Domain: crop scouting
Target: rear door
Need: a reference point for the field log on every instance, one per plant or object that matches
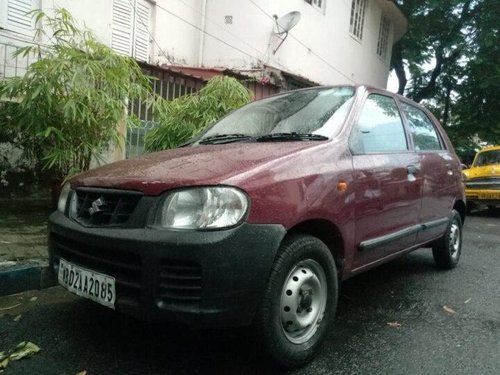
(387, 184)
(440, 170)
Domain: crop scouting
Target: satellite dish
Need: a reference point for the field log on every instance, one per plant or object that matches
(284, 24)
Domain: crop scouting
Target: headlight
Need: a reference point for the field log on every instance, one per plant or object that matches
(63, 197)
(203, 208)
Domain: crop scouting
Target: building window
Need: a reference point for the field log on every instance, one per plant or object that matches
(131, 28)
(357, 18)
(383, 36)
(320, 4)
(14, 16)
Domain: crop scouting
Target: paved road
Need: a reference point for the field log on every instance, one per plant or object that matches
(461, 338)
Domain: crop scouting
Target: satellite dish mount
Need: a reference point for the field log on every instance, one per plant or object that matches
(283, 25)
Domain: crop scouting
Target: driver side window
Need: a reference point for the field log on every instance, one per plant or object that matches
(379, 128)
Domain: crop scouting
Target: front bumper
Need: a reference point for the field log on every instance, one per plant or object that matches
(201, 278)
(488, 197)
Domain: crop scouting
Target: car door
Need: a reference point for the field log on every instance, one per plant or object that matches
(440, 171)
(387, 183)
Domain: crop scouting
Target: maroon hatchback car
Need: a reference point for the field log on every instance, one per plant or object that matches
(258, 219)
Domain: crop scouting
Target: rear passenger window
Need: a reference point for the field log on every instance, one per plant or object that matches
(423, 132)
(379, 128)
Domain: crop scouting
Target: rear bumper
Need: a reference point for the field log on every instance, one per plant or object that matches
(209, 278)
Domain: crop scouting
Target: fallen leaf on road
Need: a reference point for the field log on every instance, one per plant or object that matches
(449, 310)
(4, 360)
(468, 300)
(3, 364)
(24, 349)
(9, 308)
(394, 324)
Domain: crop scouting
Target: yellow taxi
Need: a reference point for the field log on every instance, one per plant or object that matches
(482, 179)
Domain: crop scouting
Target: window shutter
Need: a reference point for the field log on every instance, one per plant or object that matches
(15, 17)
(16, 13)
(142, 27)
(122, 27)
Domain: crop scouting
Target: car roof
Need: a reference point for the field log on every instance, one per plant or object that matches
(490, 148)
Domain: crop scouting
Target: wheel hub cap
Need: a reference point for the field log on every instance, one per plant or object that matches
(454, 240)
(303, 301)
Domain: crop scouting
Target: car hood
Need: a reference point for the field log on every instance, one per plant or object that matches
(486, 171)
(155, 173)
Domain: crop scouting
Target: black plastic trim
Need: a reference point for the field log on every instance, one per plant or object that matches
(384, 240)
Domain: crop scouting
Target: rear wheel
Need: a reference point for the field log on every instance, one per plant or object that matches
(447, 250)
(299, 302)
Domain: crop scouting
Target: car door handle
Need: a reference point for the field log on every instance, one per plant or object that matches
(412, 169)
(449, 169)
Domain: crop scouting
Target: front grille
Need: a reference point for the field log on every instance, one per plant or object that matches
(484, 183)
(180, 283)
(104, 208)
(124, 266)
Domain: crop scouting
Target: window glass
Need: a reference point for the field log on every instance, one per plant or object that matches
(423, 133)
(379, 128)
(304, 111)
(487, 158)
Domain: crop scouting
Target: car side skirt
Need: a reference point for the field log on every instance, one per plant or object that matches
(384, 240)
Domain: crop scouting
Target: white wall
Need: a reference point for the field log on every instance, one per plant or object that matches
(317, 37)
(319, 48)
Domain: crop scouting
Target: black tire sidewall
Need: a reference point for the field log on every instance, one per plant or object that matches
(441, 250)
(295, 249)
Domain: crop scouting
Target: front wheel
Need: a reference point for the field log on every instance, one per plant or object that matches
(299, 302)
(446, 251)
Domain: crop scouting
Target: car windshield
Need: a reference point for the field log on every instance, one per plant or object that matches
(487, 158)
(313, 114)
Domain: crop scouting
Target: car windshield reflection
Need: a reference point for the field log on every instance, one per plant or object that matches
(316, 114)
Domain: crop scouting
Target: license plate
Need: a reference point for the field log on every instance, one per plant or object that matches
(489, 196)
(87, 283)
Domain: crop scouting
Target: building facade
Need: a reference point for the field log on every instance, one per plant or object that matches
(269, 45)
(331, 41)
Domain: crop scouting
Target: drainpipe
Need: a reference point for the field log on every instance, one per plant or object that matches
(202, 32)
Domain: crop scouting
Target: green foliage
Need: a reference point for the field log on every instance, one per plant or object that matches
(451, 53)
(182, 118)
(70, 101)
(479, 102)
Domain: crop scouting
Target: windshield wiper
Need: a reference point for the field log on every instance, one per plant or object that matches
(224, 138)
(291, 137)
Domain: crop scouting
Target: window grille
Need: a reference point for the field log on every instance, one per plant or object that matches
(357, 18)
(317, 3)
(383, 36)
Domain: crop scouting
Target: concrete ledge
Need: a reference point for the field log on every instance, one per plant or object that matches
(20, 277)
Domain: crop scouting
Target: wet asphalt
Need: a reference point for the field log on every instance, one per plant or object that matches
(405, 317)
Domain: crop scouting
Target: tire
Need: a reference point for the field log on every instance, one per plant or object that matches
(299, 302)
(446, 251)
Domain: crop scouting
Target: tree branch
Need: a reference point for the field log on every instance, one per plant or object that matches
(397, 64)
